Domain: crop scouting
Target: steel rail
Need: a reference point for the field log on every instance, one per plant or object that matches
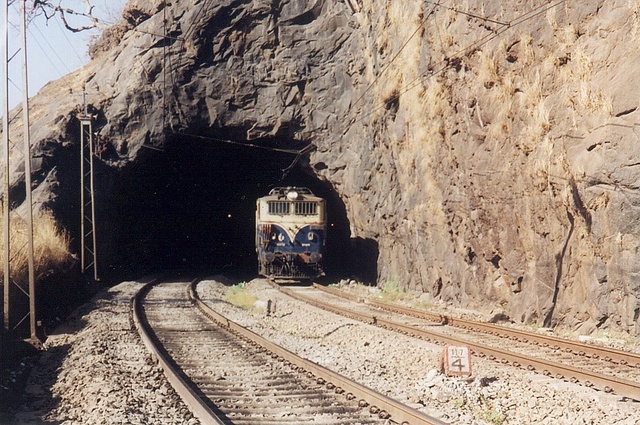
(609, 354)
(587, 378)
(342, 294)
(198, 407)
(378, 403)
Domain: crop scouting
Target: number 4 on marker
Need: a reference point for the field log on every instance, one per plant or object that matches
(456, 361)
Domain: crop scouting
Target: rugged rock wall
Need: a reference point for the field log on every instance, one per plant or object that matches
(505, 163)
(490, 150)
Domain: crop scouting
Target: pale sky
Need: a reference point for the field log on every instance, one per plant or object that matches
(53, 51)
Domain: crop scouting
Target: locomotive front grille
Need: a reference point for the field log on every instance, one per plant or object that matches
(299, 208)
(306, 208)
(279, 207)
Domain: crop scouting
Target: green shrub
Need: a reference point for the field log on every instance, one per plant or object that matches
(239, 296)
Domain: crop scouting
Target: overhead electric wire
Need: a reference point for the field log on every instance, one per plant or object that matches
(435, 6)
(448, 60)
(64, 33)
(462, 12)
(297, 152)
(394, 57)
(169, 37)
(51, 49)
(305, 149)
(169, 58)
(195, 19)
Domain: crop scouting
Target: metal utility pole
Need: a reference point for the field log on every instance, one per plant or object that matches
(27, 175)
(88, 256)
(5, 145)
(10, 304)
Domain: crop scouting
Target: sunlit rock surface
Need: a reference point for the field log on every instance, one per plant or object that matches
(492, 156)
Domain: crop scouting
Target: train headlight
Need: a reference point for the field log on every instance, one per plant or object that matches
(292, 195)
(315, 257)
(269, 257)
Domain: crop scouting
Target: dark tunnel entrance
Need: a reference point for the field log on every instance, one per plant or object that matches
(192, 206)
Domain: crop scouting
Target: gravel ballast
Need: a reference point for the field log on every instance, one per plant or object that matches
(97, 371)
(408, 369)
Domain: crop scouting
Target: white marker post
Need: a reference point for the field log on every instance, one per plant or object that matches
(457, 361)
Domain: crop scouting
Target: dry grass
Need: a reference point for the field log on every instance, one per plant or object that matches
(443, 30)
(522, 89)
(487, 68)
(527, 53)
(551, 16)
(50, 246)
(399, 62)
(576, 78)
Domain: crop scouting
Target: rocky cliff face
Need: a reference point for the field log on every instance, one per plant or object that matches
(508, 155)
(489, 150)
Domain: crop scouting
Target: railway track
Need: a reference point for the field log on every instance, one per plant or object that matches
(596, 367)
(229, 375)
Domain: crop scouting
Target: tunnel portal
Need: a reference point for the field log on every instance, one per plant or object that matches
(192, 206)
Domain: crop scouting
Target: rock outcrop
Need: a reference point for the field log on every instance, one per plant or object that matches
(489, 150)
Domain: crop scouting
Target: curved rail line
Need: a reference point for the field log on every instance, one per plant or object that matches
(398, 412)
(378, 404)
(587, 378)
(196, 404)
(609, 354)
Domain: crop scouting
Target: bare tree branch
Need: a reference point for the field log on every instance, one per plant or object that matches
(50, 9)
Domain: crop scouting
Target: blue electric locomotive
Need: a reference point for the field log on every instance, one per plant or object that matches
(290, 233)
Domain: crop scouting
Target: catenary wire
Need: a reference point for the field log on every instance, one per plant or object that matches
(395, 56)
(251, 145)
(187, 33)
(51, 49)
(435, 6)
(64, 33)
(471, 15)
(447, 62)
